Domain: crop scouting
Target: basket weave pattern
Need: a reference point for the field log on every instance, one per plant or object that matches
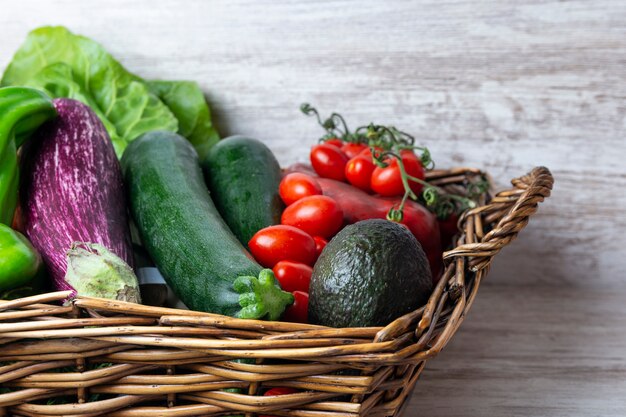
(118, 359)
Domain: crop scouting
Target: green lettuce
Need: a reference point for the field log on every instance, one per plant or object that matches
(67, 65)
(186, 101)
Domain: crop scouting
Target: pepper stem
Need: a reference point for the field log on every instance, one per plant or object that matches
(261, 297)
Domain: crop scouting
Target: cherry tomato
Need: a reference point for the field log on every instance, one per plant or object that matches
(320, 244)
(359, 171)
(295, 186)
(388, 181)
(298, 312)
(293, 276)
(317, 215)
(335, 142)
(368, 151)
(353, 149)
(280, 243)
(278, 391)
(409, 154)
(329, 161)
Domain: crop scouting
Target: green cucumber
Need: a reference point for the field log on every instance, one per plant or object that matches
(243, 176)
(200, 258)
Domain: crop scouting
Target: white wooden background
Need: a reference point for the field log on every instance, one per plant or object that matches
(503, 85)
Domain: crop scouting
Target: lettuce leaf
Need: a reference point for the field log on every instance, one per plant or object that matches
(187, 102)
(58, 81)
(66, 65)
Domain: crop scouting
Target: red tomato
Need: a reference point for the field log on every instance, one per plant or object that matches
(279, 243)
(320, 244)
(329, 161)
(293, 276)
(317, 215)
(335, 142)
(407, 153)
(388, 181)
(298, 312)
(295, 186)
(359, 171)
(368, 151)
(353, 149)
(278, 391)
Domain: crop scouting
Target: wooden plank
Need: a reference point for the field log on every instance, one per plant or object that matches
(502, 85)
(575, 238)
(523, 351)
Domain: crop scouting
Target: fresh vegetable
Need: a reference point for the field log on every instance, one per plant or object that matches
(186, 101)
(359, 171)
(299, 310)
(293, 276)
(19, 261)
(329, 161)
(94, 271)
(371, 273)
(243, 177)
(387, 181)
(317, 215)
(335, 142)
(353, 149)
(72, 190)
(67, 65)
(22, 111)
(280, 391)
(282, 243)
(295, 186)
(320, 244)
(277, 391)
(395, 168)
(190, 243)
(358, 205)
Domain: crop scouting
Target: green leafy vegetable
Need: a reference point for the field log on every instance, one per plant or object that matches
(186, 101)
(73, 66)
(58, 81)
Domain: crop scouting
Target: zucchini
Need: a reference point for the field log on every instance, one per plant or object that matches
(200, 258)
(243, 176)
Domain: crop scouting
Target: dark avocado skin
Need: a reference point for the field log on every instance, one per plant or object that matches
(369, 274)
(243, 176)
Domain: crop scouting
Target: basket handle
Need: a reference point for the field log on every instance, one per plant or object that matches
(511, 209)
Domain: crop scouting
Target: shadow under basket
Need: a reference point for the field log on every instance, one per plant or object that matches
(100, 357)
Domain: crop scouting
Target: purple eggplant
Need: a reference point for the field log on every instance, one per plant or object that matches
(72, 191)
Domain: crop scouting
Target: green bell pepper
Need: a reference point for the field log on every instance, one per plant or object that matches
(22, 111)
(20, 263)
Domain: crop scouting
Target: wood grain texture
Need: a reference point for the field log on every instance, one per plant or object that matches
(502, 85)
(531, 352)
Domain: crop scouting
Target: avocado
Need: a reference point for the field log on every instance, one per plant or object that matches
(369, 274)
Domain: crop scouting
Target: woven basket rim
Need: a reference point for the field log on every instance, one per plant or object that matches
(517, 205)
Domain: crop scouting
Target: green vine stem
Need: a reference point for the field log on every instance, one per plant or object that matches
(388, 142)
(435, 198)
(335, 125)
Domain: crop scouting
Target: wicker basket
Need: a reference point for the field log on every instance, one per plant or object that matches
(106, 358)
